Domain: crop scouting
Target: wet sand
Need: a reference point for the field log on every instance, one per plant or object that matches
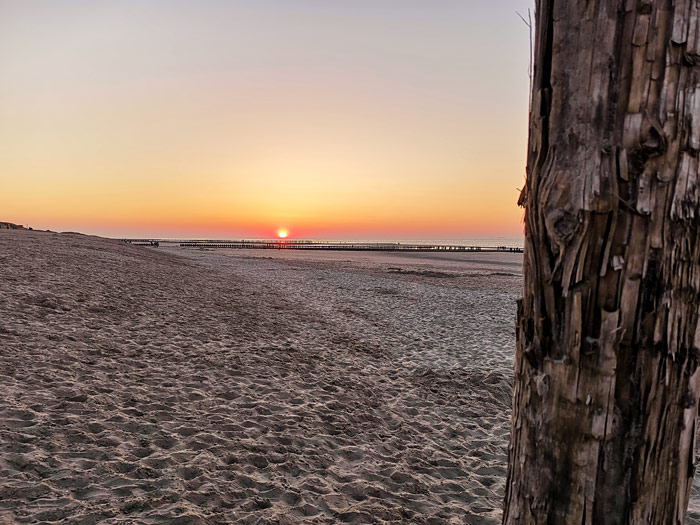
(168, 385)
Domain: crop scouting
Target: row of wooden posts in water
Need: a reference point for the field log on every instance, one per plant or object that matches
(322, 245)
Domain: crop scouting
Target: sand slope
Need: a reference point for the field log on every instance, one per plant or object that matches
(188, 386)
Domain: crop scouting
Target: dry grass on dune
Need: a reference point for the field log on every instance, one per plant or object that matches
(139, 386)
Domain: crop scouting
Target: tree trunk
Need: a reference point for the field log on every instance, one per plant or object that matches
(608, 341)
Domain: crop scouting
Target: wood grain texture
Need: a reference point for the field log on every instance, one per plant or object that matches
(608, 340)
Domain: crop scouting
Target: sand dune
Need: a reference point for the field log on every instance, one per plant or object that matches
(190, 386)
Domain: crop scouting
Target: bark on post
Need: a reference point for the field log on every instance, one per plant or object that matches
(608, 341)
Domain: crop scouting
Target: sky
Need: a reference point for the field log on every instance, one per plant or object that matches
(225, 119)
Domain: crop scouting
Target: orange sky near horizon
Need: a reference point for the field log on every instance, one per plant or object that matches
(356, 120)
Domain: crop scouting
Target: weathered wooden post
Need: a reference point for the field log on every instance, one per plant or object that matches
(606, 373)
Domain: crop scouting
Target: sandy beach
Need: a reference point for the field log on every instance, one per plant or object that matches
(171, 385)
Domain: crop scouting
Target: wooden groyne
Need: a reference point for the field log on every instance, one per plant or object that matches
(349, 246)
(153, 243)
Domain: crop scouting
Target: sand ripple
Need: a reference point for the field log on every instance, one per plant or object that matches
(171, 386)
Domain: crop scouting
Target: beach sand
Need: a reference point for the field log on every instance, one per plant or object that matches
(173, 385)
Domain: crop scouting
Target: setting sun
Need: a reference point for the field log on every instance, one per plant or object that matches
(282, 234)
